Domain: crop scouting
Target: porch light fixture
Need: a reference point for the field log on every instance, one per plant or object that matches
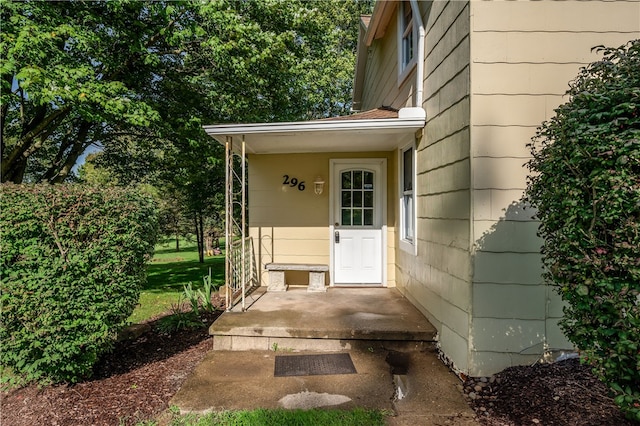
(318, 185)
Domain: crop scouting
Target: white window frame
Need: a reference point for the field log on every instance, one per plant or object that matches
(405, 67)
(408, 243)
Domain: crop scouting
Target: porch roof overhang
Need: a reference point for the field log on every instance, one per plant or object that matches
(340, 134)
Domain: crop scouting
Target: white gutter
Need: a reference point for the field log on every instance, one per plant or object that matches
(417, 19)
(408, 118)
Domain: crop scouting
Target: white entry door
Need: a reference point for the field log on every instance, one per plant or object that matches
(358, 210)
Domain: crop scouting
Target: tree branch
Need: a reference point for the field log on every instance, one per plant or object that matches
(59, 170)
(8, 78)
(16, 159)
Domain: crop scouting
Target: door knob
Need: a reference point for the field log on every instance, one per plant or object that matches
(336, 237)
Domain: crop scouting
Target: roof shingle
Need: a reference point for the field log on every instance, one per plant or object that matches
(373, 114)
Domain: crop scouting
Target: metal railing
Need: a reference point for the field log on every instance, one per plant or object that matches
(240, 267)
(243, 276)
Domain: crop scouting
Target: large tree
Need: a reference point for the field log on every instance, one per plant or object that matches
(138, 79)
(144, 75)
(74, 74)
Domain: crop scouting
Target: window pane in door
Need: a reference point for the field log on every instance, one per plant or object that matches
(346, 198)
(346, 217)
(368, 180)
(357, 217)
(357, 179)
(346, 180)
(357, 198)
(368, 217)
(368, 199)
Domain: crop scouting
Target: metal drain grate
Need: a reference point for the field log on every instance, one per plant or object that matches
(313, 365)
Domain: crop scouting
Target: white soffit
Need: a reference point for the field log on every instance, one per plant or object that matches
(342, 135)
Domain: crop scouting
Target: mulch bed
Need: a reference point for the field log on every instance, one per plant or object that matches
(563, 393)
(133, 383)
(138, 379)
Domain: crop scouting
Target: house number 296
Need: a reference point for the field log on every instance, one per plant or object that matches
(293, 182)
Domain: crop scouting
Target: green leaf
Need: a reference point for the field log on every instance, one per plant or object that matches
(582, 290)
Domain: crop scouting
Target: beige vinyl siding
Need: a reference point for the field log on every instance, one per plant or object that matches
(292, 226)
(287, 225)
(617, 16)
(289, 245)
(437, 280)
(523, 56)
(381, 76)
(493, 72)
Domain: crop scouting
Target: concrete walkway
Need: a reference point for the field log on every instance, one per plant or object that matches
(388, 339)
(231, 380)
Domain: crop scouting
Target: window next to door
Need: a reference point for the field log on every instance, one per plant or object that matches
(407, 199)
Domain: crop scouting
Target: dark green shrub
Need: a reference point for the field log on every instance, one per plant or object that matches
(73, 263)
(586, 187)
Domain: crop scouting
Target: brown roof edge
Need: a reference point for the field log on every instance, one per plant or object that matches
(383, 112)
(365, 19)
(382, 12)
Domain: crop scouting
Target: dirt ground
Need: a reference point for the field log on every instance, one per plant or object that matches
(137, 380)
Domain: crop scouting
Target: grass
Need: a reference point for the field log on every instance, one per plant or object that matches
(282, 417)
(168, 272)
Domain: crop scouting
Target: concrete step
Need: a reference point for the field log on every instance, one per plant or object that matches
(289, 344)
(335, 320)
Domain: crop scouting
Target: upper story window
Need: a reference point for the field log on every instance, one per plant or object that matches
(407, 34)
(406, 41)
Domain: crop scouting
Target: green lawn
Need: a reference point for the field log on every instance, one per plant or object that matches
(281, 417)
(169, 271)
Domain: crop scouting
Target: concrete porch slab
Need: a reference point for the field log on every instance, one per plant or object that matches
(329, 321)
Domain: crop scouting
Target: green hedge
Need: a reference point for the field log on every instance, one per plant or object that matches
(73, 264)
(586, 187)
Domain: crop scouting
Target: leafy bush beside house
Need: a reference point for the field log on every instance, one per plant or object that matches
(586, 187)
(73, 263)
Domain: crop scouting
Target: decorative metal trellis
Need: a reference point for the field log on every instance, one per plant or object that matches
(241, 276)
